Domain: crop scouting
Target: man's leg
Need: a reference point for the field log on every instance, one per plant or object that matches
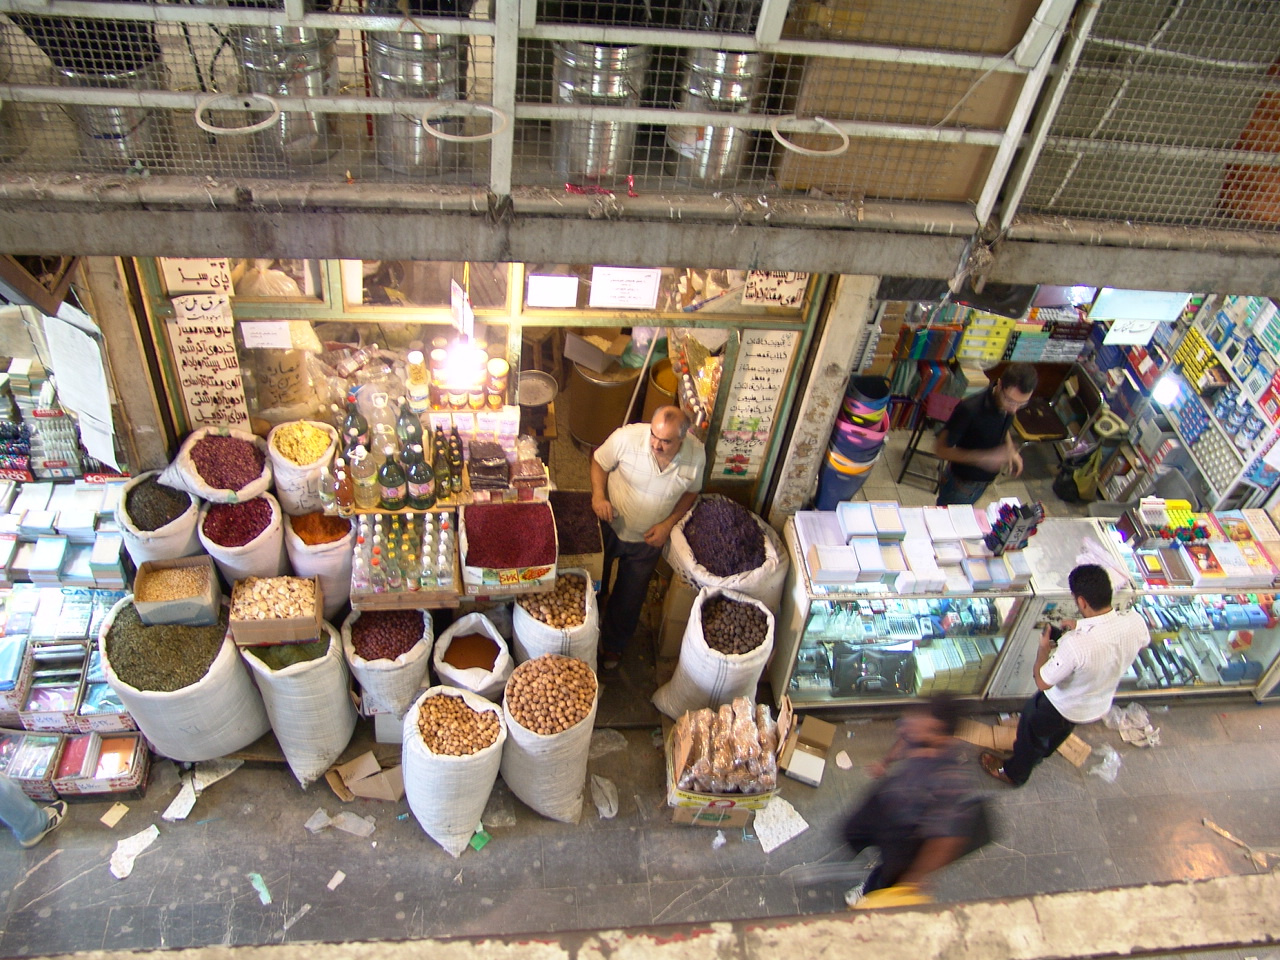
(19, 813)
(636, 562)
(955, 490)
(1041, 730)
(871, 826)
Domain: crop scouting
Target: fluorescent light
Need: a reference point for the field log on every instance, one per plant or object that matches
(1166, 391)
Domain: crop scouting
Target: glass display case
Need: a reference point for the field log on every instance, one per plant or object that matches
(864, 643)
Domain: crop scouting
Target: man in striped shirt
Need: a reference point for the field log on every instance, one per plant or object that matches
(1076, 678)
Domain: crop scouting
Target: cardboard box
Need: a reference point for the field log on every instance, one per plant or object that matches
(365, 777)
(198, 611)
(387, 728)
(710, 803)
(583, 351)
(999, 737)
(593, 563)
(270, 633)
(676, 607)
(487, 581)
(86, 783)
(15, 698)
(804, 755)
(712, 816)
(1075, 750)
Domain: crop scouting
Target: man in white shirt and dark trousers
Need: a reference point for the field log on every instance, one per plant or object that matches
(644, 478)
(1077, 679)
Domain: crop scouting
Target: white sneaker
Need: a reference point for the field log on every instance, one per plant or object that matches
(56, 812)
(854, 894)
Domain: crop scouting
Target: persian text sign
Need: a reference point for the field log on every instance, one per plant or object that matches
(202, 337)
(751, 407)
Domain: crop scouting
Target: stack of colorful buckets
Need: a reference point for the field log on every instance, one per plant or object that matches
(856, 442)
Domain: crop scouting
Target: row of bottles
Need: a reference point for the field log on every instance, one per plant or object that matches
(412, 553)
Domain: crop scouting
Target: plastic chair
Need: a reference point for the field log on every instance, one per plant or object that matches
(938, 408)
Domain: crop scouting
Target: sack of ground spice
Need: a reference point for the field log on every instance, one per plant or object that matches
(220, 465)
(157, 522)
(322, 546)
(565, 620)
(725, 648)
(503, 537)
(472, 655)
(298, 452)
(453, 742)
(722, 544)
(245, 539)
(388, 652)
(308, 702)
(185, 686)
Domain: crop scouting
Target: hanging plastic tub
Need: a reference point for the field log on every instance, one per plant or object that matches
(847, 466)
(871, 391)
(835, 487)
(859, 442)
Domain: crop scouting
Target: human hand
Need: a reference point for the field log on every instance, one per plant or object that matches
(876, 770)
(603, 508)
(656, 536)
(1015, 464)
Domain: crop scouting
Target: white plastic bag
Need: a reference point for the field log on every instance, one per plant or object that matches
(389, 685)
(448, 794)
(706, 677)
(486, 683)
(764, 583)
(177, 538)
(218, 714)
(182, 473)
(297, 487)
(549, 772)
(309, 705)
(263, 556)
(331, 562)
(532, 638)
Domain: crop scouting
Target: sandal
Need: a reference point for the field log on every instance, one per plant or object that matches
(995, 766)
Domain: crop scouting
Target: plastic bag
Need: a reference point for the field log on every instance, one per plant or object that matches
(263, 556)
(604, 794)
(182, 473)
(297, 487)
(331, 562)
(734, 749)
(447, 794)
(218, 714)
(177, 538)
(309, 705)
(389, 685)
(764, 583)
(260, 281)
(1108, 765)
(533, 638)
(486, 683)
(548, 772)
(706, 677)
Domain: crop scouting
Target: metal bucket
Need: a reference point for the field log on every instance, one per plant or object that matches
(122, 137)
(715, 81)
(293, 62)
(604, 76)
(418, 66)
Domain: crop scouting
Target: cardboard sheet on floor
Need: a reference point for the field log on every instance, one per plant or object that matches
(365, 777)
(1075, 750)
(999, 737)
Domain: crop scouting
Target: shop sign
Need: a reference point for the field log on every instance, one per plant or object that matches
(195, 275)
(624, 288)
(752, 405)
(773, 288)
(202, 337)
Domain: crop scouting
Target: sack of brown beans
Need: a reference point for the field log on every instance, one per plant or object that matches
(214, 711)
(245, 539)
(298, 451)
(565, 620)
(220, 465)
(725, 648)
(470, 654)
(550, 710)
(388, 652)
(307, 691)
(157, 522)
(453, 743)
(330, 560)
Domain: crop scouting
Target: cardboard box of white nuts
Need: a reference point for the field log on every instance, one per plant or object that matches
(279, 611)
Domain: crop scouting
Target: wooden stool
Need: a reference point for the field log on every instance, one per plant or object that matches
(542, 348)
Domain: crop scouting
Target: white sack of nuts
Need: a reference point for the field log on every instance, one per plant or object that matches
(565, 620)
(550, 710)
(706, 675)
(453, 744)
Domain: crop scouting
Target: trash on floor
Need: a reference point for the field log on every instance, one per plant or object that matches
(777, 823)
(264, 895)
(357, 826)
(114, 815)
(209, 772)
(1108, 765)
(844, 761)
(1258, 857)
(302, 912)
(719, 840)
(604, 794)
(604, 742)
(182, 803)
(1076, 751)
(128, 850)
(336, 880)
(1134, 725)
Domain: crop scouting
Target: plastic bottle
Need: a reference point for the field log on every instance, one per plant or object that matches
(364, 480)
(421, 480)
(344, 494)
(382, 423)
(377, 581)
(408, 426)
(326, 488)
(392, 484)
(418, 382)
(355, 420)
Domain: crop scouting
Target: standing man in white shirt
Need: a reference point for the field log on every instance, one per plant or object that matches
(1075, 681)
(644, 478)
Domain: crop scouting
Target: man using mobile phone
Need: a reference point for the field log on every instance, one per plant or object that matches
(1076, 679)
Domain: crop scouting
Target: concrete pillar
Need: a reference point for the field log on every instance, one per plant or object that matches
(834, 356)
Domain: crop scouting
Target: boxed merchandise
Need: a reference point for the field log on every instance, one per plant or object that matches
(804, 756)
(676, 608)
(96, 764)
(365, 777)
(507, 548)
(31, 762)
(750, 762)
(184, 591)
(579, 540)
(57, 680)
(266, 611)
(15, 673)
(597, 351)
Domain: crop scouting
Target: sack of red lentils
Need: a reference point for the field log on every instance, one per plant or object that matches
(220, 465)
(322, 546)
(245, 539)
(157, 522)
(389, 652)
(298, 452)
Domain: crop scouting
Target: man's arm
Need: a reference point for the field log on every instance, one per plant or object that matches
(1043, 652)
(657, 535)
(993, 459)
(1015, 458)
(600, 492)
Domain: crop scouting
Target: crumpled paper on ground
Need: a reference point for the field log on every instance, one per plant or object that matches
(128, 849)
(345, 821)
(604, 742)
(1134, 725)
(777, 823)
(604, 794)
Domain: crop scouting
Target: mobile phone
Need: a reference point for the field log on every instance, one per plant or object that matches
(1055, 633)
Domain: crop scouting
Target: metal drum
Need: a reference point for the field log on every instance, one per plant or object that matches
(418, 66)
(604, 76)
(715, 81)
(292, 62)
(118, 138)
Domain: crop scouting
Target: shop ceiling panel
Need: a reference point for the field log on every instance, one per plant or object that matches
(1172, 117)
